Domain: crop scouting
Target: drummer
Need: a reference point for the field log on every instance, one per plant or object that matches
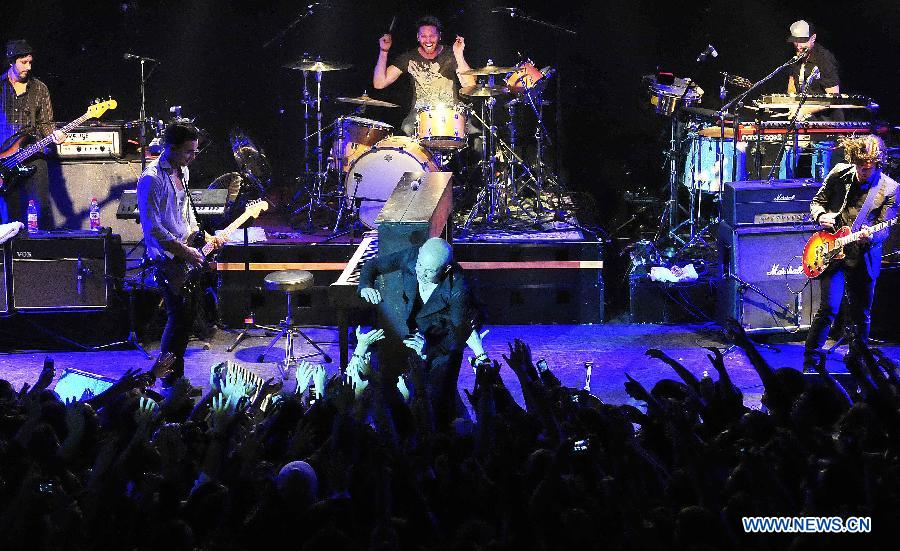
(436, 72)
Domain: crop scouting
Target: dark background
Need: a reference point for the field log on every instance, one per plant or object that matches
(213, 63)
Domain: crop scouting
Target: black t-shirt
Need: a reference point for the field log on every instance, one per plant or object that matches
(828, 70)
(434, 79)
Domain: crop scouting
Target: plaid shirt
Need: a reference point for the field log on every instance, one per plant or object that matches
(31, 111)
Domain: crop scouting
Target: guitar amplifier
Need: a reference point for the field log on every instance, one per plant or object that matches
(763, 285)
(92, 142)
(759, 202)
(4, 278)
(65, 271)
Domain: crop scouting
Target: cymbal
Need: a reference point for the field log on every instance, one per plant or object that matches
(479, 91)
(367, 101)
(716, 132)
(711, 113)
(317, 65)
(489, 70)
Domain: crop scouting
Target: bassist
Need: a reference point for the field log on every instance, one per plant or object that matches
(859, 195)
(26, 109)
(168, 221)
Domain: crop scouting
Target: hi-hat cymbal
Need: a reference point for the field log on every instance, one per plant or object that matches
(317, 65)
(489, 70)
(367, 101)
(479, 91)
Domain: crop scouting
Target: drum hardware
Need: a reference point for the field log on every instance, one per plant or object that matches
(366, 101)
(306, 64)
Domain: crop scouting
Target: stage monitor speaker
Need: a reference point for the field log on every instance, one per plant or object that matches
(763, 285)
(65, 272)
(4, 278)
(73, 382)
(74, 184)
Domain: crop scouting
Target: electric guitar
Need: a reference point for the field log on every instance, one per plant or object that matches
(19, 151)
(825, 247)
(180, 274)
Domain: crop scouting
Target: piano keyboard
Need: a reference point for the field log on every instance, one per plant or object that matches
(368, 248)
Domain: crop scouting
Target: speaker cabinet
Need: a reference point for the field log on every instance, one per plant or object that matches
(53, 273)
(74, 184)
(4, 278)
(763, 284)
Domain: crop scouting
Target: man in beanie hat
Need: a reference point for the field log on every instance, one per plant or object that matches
(26, 109)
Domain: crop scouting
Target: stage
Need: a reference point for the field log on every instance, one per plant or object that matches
(614, 349)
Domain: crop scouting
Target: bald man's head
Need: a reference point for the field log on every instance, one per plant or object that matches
(435, 256)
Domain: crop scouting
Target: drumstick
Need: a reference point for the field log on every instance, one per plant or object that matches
(391, 27)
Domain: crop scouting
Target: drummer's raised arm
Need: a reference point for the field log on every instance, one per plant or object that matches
(385, 74)
(459, 46)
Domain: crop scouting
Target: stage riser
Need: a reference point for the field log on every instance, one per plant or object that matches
(512, 282)
(241, 292)
(517, 283)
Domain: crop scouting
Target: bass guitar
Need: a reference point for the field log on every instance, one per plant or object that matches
(19, 151)
(179, 274)
(825, 247)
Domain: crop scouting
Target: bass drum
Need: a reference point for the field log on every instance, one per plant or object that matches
(374, 174)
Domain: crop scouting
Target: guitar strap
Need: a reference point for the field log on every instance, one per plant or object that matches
(866, 207)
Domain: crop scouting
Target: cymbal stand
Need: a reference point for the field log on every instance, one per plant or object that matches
(316, 201)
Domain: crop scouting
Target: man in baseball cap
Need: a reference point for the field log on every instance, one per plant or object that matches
(803, 37)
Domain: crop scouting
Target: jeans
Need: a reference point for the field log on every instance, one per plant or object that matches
(860, 288)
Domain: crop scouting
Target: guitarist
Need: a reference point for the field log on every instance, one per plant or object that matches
(168, 220)
(858, 189)
(26, 109)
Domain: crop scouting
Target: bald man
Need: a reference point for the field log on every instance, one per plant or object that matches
(440, 317)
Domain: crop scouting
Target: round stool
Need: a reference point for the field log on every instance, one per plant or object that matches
(290, 282)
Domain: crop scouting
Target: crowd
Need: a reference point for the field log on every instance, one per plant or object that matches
(360, 462)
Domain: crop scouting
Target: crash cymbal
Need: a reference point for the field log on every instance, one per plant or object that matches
(716, 132)
(367, 101)
(489, 70)
(317, 65)
(479, 91)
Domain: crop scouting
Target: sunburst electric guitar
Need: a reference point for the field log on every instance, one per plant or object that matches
(826, 247)
(19, 151)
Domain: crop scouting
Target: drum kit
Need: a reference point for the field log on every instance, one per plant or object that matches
(367, 159)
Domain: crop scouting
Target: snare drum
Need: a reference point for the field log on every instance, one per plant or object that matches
(442, 126)
(374, 175)
(526, 77)
(353, 136)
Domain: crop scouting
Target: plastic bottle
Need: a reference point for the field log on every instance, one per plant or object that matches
(95, 215)
(32, 216)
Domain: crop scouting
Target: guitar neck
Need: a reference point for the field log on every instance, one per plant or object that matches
(247, 214)
(23, 154)
(846, 240)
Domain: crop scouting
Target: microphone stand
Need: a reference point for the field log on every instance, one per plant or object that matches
(738, 102)
(792, 127)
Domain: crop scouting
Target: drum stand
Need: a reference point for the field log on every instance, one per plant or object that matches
(493, 199)
(316, 201)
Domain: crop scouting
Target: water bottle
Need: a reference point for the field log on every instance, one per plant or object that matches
(95, 215)
(32, 216)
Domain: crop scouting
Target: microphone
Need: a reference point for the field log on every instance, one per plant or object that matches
(709, 51)
(797, 57)
(136, 57)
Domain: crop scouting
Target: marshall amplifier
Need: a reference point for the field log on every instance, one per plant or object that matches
(65, 271)
(759, 202)
(763, 285)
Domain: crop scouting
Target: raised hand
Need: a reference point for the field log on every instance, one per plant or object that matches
(520, 361)
(235, 386)
(365, 340)
(385, 42)
(416, 343)
(459, 45)
(303, 373)
(216, 374)
(319, 380)
(220, 414)
(46, 376)
(145, 412)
